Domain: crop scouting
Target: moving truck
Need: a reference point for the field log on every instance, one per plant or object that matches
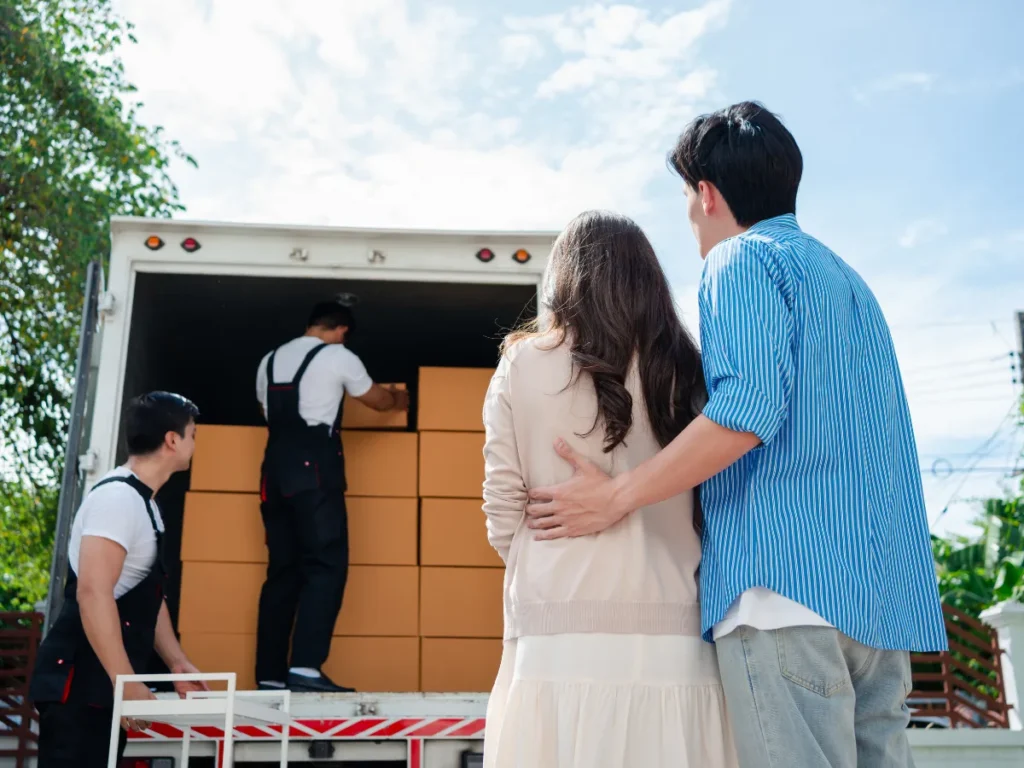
(192, 308)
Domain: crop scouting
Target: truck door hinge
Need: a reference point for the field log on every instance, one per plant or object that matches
(87, 462)
(376, 257)
(106, 304)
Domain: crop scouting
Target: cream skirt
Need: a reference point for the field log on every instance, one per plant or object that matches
(608, 701)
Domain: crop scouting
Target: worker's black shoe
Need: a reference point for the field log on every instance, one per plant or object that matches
(321, 684)
(271, 686)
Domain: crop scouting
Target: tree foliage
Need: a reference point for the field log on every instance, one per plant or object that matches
(73, 152)
(980, 571)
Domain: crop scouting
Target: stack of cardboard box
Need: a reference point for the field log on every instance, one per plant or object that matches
(423, 605)
(460, 575)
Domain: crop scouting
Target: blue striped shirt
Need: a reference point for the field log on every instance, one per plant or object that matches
(829, 510)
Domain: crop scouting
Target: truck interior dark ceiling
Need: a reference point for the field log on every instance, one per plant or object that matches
(203, 337)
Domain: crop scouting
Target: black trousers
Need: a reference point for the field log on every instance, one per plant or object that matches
(75, 736)
(307, 542)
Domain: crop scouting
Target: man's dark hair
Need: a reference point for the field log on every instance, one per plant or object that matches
(331, 315)
(747, 153)
(148, 419)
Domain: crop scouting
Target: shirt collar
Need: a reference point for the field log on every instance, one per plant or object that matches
(785, 221)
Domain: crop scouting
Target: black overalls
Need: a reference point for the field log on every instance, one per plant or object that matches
(69, 686)
(303, 508)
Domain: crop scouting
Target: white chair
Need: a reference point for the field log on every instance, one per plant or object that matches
(224, 709)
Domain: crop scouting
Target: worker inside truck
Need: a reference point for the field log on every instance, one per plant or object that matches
(301, 387)
(114, 614)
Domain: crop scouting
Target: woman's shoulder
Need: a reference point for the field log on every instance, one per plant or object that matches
(535, 349)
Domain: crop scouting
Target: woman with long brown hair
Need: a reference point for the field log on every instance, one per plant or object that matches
(603, 663)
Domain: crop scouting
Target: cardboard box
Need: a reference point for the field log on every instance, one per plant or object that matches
(459, 666)
(355, 415)
(223, 527)
(228, 458)
(380, 601)
(223, 653)
(228, 528)
(376, 664)
(220, 598)
(461, 602)
(382, 531)
(380, 463)
(452, 398)
(454, 532)
(451, 464)
(223, 598)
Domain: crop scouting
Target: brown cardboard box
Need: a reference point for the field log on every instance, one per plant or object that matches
(227, 528)
(451, 464)
(223, 653)
(459, 666)
(355, 415)
(224, 598)
(224, 528)
(376, 463)
(461, 602)
(380, 601)
(454, 532)
(220, 598)
(381, 531)
(379, 664)
(452, 398)
(380, 463)
(228, 458)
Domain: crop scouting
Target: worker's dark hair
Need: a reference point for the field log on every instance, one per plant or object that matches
(750, 157)
(148, 418)
(331, 315)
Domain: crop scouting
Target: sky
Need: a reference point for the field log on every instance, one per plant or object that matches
(470, 115)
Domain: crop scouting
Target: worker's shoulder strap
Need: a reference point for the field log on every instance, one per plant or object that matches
(302, 368)
(140, 487)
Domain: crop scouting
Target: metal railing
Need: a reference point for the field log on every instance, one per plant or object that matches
(20, 634)
(962, 687)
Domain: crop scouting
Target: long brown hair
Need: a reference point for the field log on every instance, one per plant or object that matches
(606, 295)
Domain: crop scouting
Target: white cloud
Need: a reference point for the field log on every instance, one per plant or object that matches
(922, 231)
(897, 81)
(520, 48)
(394, 113)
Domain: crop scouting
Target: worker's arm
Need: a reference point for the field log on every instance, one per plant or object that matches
(100, 562)
(170, 650)
(385, 399)
(746, 338)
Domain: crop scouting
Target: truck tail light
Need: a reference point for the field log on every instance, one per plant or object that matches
(485, 255)
(521, 256)
(190, 244)
(154, 243)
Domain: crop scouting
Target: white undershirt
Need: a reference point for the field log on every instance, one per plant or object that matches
(333, 373)
(117, 512)
(764, 609)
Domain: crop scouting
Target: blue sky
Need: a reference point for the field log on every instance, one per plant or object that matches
(472, 115)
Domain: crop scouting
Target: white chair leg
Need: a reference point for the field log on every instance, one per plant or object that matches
(115, 726)
(186, 745)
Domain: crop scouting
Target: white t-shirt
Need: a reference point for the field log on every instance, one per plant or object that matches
(764, 609)
(117, 512)
(334, 372)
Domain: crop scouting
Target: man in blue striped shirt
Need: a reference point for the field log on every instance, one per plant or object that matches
(817, 576)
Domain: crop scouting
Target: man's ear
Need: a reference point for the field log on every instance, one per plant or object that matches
(708, 197)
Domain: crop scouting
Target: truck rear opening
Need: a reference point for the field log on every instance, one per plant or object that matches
(203, 337)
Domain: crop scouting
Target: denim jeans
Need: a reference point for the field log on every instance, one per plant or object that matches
(810, 697)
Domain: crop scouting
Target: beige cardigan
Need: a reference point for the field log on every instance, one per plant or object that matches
(637, 577)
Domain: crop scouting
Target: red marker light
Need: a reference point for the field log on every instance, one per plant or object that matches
(485, 255)
(521, 256)
(154, 243)
(190, 244)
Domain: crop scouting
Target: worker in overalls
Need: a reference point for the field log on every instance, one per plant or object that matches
(114, 615)
(301, 387)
